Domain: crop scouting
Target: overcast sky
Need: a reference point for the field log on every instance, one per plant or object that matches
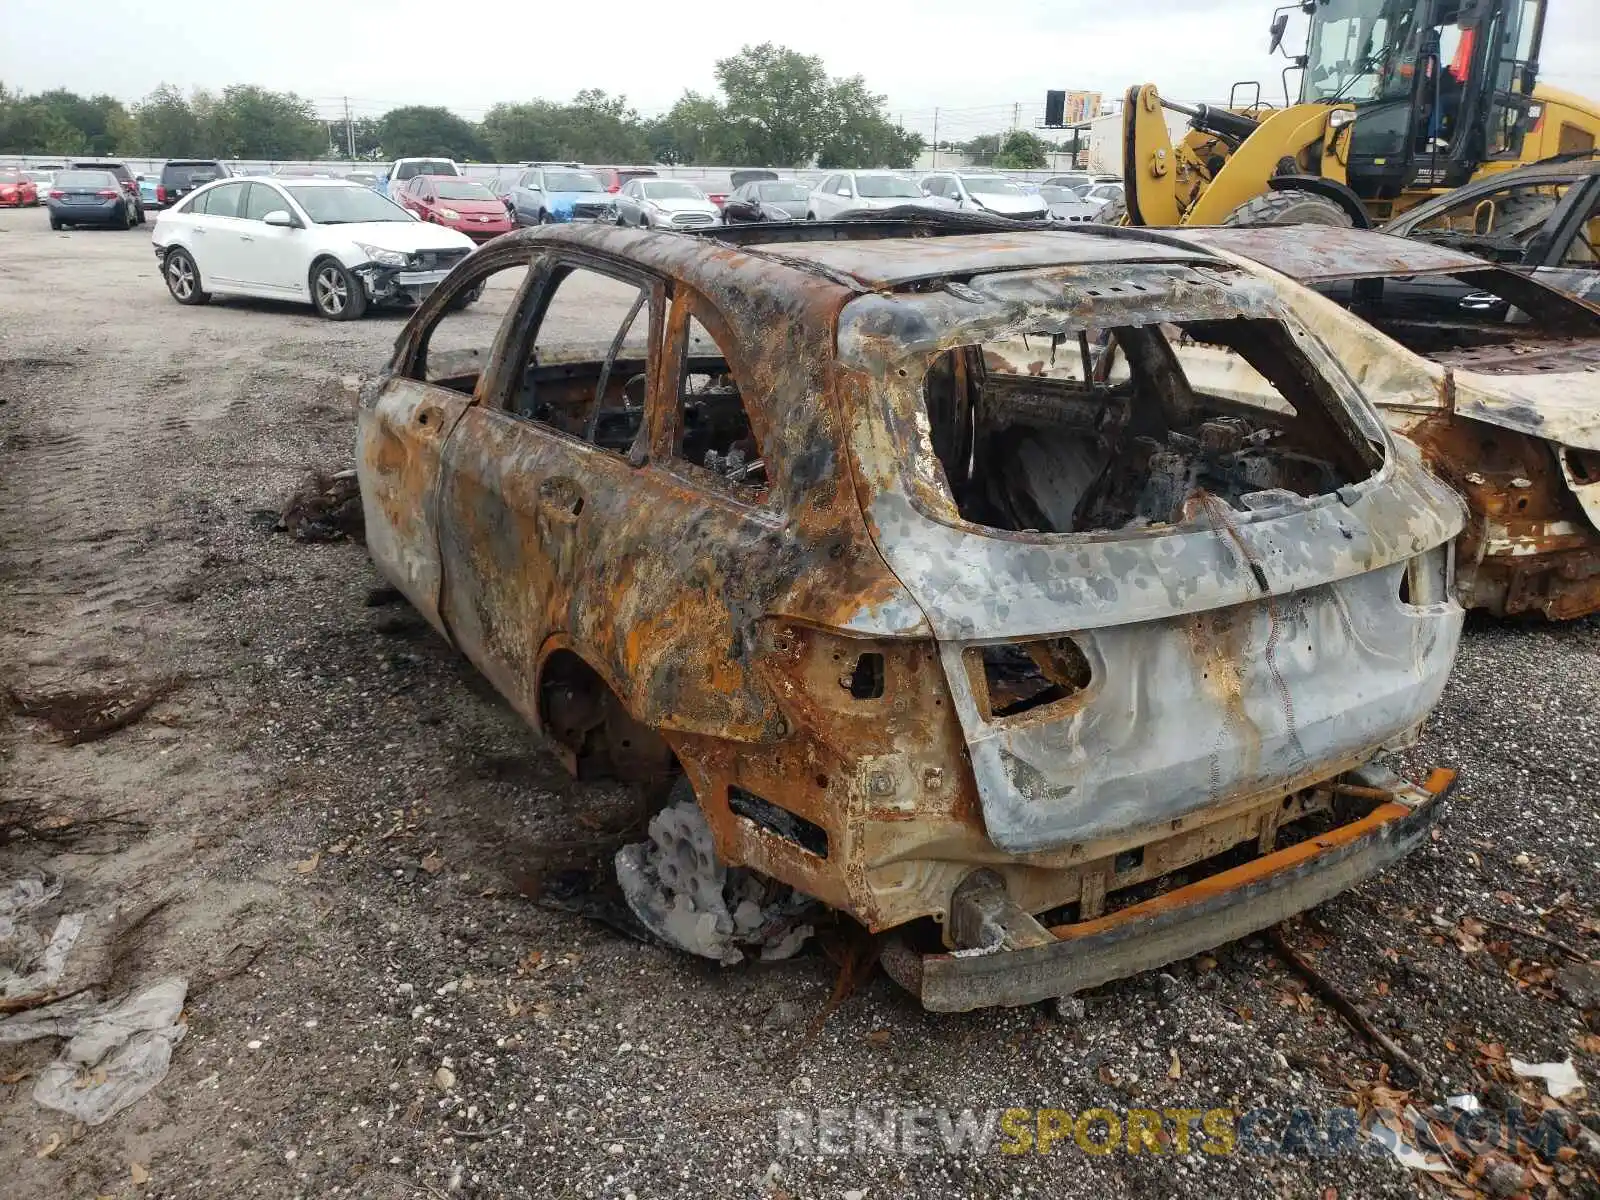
(973, 59)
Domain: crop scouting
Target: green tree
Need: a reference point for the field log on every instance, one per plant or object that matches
(778, 100)
(29, 127)
(1023, 151)
(420, 130)
(602, 128)
(696, 130)
(253, 122)
(101, 124)
(522, 132)
(981, 150)
(368, 139)
(860, 135)
(165, 126)
(595, 127)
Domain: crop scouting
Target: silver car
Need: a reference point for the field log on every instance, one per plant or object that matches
(665, 204)
(985, 192)
(852, 191)
(1066, 206)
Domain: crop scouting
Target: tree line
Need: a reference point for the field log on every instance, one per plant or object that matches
(773, 107)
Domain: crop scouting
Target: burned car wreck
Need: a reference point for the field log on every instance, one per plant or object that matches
(1498, 382)
(1058, 679)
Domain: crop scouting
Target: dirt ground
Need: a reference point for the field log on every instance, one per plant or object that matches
(333, 830)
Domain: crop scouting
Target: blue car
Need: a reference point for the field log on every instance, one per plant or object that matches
(548, 195)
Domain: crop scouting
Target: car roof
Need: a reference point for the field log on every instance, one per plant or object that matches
(299, 181)
(893, 262)
(1326, 253)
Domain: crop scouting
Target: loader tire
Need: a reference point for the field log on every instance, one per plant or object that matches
(1289, 208)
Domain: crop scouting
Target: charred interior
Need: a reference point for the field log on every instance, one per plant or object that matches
(1108, 433)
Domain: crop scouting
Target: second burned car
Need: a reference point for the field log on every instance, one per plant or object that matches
(1060, 680)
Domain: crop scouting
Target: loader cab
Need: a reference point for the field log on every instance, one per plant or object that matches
(1440, 86)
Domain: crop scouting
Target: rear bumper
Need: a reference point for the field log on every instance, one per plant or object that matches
(1180, 923)
(88, 214)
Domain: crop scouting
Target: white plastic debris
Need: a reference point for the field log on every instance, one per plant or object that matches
(1467, 1103)
(30, 964)
(119, 1050)
(1403, 1151)
(1560, 1079)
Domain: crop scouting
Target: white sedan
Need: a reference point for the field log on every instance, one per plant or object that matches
(329, 242)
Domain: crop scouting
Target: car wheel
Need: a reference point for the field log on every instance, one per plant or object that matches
(811, 216)
(141, 214)
(55, 224)
(183, 278)
(127, 217)
(544, 217)
(337, 293)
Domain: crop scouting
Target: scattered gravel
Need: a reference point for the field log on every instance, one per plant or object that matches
(340, 828)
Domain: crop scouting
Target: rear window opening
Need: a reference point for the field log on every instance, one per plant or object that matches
(1108, 430)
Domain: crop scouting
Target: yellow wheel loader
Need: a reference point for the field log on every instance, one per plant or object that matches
(1399, 101)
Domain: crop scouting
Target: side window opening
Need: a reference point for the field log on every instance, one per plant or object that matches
(588, 387)
(459, 344)
(1137, 427)
(713, 431)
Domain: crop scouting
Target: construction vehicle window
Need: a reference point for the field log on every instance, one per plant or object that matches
(713, 432)
(1178, 423)
(1510, 66)
(1360, 50)
(588, 386)
(460, 342)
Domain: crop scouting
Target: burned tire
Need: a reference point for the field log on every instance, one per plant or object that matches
(1289, 208)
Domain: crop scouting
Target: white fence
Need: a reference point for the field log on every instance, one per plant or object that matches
(711, 179)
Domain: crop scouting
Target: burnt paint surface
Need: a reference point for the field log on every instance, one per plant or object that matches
(732, 623)
(1501, 423)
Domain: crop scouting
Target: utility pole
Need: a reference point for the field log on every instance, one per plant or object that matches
(1016, 116)
(936, 139)
(350, 129)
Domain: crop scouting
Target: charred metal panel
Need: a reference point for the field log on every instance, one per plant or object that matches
(802, 644)
(401, 430)
(1186, 714)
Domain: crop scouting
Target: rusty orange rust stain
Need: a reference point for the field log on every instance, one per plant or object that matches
(1261, 868)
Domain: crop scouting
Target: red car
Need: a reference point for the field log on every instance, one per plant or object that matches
(464, 205)
(17, 191)
(612, 178)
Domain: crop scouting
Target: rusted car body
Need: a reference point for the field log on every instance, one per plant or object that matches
(1496, 378)
(1060, 679)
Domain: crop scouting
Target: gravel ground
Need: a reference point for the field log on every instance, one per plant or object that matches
(332, 829)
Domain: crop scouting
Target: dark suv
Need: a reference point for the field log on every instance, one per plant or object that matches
(182, 175)
(125, 177)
